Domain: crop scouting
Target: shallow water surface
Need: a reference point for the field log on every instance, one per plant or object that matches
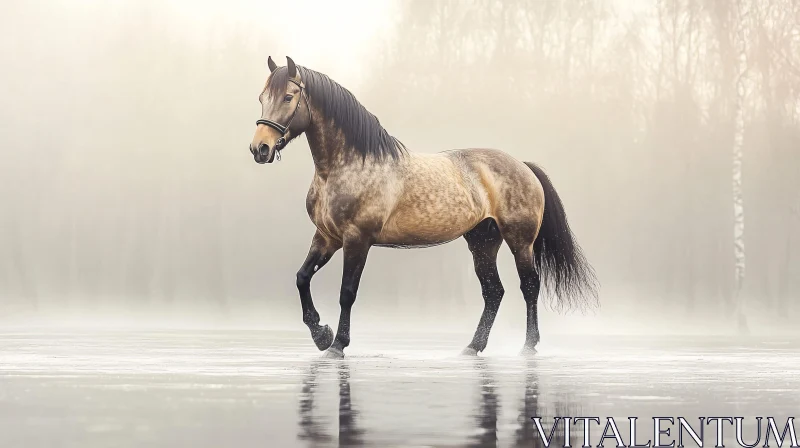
(270, 389)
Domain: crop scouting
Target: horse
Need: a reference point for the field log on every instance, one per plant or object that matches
(369, 190)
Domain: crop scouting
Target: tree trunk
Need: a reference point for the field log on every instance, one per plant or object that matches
(738, 156)
(738, 210)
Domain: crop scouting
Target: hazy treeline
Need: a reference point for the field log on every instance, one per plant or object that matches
(127, 180)
(633, 113)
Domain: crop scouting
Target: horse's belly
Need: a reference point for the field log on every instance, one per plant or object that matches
(426, 223)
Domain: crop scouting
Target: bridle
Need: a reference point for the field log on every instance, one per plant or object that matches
(283, 129)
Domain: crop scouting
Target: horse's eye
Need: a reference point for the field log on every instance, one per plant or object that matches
(287, 98)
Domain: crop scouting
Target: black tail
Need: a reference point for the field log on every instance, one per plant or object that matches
(566, 276)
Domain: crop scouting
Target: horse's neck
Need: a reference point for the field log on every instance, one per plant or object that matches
(325, 150)
(328, 148)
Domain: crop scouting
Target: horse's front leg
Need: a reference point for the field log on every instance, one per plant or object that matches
(321, 251)
(355, 256)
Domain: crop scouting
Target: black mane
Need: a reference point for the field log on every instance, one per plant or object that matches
(362, 131)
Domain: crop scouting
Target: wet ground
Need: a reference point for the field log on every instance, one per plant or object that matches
(269, 389)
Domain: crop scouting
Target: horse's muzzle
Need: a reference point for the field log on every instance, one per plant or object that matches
(264, 154)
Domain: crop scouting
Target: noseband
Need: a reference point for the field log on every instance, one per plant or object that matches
(281, 128)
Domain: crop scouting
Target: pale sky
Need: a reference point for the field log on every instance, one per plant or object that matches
(332, 36)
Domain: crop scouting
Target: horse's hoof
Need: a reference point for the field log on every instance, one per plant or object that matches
(469, 351)
(528, 351)
(333, 353)
(323, 338)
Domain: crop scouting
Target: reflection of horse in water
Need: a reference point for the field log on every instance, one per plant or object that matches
(485, 416)
(311, 428)
(488, 408)
(531, 405)
(368, 190)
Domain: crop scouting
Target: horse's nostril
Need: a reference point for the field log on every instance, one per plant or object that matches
(263, 149)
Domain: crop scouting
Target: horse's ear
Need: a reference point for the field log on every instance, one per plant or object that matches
(271, 64)
(292, 67)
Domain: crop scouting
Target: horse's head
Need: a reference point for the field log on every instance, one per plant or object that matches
(283, 117)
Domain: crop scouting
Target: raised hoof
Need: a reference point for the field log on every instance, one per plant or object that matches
(323, 338)
(528, 351)
(333, 353)
(469, 351)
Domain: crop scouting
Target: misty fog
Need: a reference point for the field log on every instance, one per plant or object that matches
(129, 194)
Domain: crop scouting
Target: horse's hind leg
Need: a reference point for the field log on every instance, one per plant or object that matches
(520, 240)
(484, 241)
(320, 252)
(530, 285)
